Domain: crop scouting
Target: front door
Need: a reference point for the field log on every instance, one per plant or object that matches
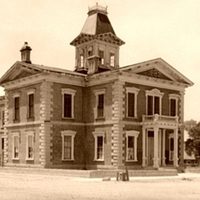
(150, 147)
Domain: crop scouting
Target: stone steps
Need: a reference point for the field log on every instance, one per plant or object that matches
(89, 173)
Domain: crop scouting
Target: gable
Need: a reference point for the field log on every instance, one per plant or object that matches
(18, 71)
(155, 74)
(159, 69)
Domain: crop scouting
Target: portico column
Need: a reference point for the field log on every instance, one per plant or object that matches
(159, 147)
(155, 160)
(163, 149)
(176, 147)
(143, 147)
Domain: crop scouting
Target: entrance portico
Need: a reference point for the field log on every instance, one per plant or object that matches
(154, 140)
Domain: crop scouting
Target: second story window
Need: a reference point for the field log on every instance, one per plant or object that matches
(131, 96)
(153, 104)
(31, 106)
(2, 118)
(100, 103)
(173, 105)
(16, 108)
(68, 103)
(100, 106)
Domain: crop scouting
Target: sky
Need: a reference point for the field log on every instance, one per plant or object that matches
(150, 28)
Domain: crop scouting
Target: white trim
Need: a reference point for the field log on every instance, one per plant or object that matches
(15, 134)
(97, 93)
(97, 134)
(30, 91)
(154, 93)
(72, 93)
(72, 134)
(135, 91)
(132, 133)
(32, 134)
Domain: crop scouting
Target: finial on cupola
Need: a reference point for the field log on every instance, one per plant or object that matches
(25, 53)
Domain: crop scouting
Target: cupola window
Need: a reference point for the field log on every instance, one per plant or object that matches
(112, 59)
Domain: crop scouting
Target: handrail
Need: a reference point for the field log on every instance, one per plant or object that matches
(159, 118)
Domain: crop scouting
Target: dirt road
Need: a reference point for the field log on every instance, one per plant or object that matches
(39, 187)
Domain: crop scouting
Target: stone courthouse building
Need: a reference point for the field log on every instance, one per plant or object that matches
(98, 116)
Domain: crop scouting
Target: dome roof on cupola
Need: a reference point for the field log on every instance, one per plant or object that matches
(96, 26)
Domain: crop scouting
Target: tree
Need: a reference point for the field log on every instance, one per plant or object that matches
(192, 144)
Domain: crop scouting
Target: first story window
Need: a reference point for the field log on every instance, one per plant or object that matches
(131, 145)
(68, 145)
(99, 146)
(15, 145)
(30, 145)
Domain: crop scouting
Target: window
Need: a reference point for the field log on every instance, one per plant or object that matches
(131, 95)
(100, 103)
(171, 147)
(68, 103)
(2, 144)
(99, 146)
(2, 118)
(15, 145)
(68, 145)
(101, 57)
(153, 105)
(31, 106)
(81, 61)
(90, 51)
(173, 104)
(30, 145)
(131, 145)
(112, 59)
(100, 106)
(16, 108)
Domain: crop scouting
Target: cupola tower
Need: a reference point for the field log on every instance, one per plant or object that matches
(97, 46)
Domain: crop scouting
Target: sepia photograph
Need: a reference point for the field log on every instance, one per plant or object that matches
(99, 100)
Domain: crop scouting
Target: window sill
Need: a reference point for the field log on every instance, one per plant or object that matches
(131, 161)
(29, 159)
(68, 160)
(128, 117)
(99, 160)
(30, 119)
(16, 121)
(15, 159)
(100, 119)
(68, 118)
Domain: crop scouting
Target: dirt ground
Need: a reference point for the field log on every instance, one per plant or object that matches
(31, 187)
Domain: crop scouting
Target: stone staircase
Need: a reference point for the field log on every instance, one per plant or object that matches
(90, 173)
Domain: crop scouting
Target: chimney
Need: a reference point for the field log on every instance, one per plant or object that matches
(25, 53)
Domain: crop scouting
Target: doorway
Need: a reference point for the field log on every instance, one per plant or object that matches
(150, 153)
